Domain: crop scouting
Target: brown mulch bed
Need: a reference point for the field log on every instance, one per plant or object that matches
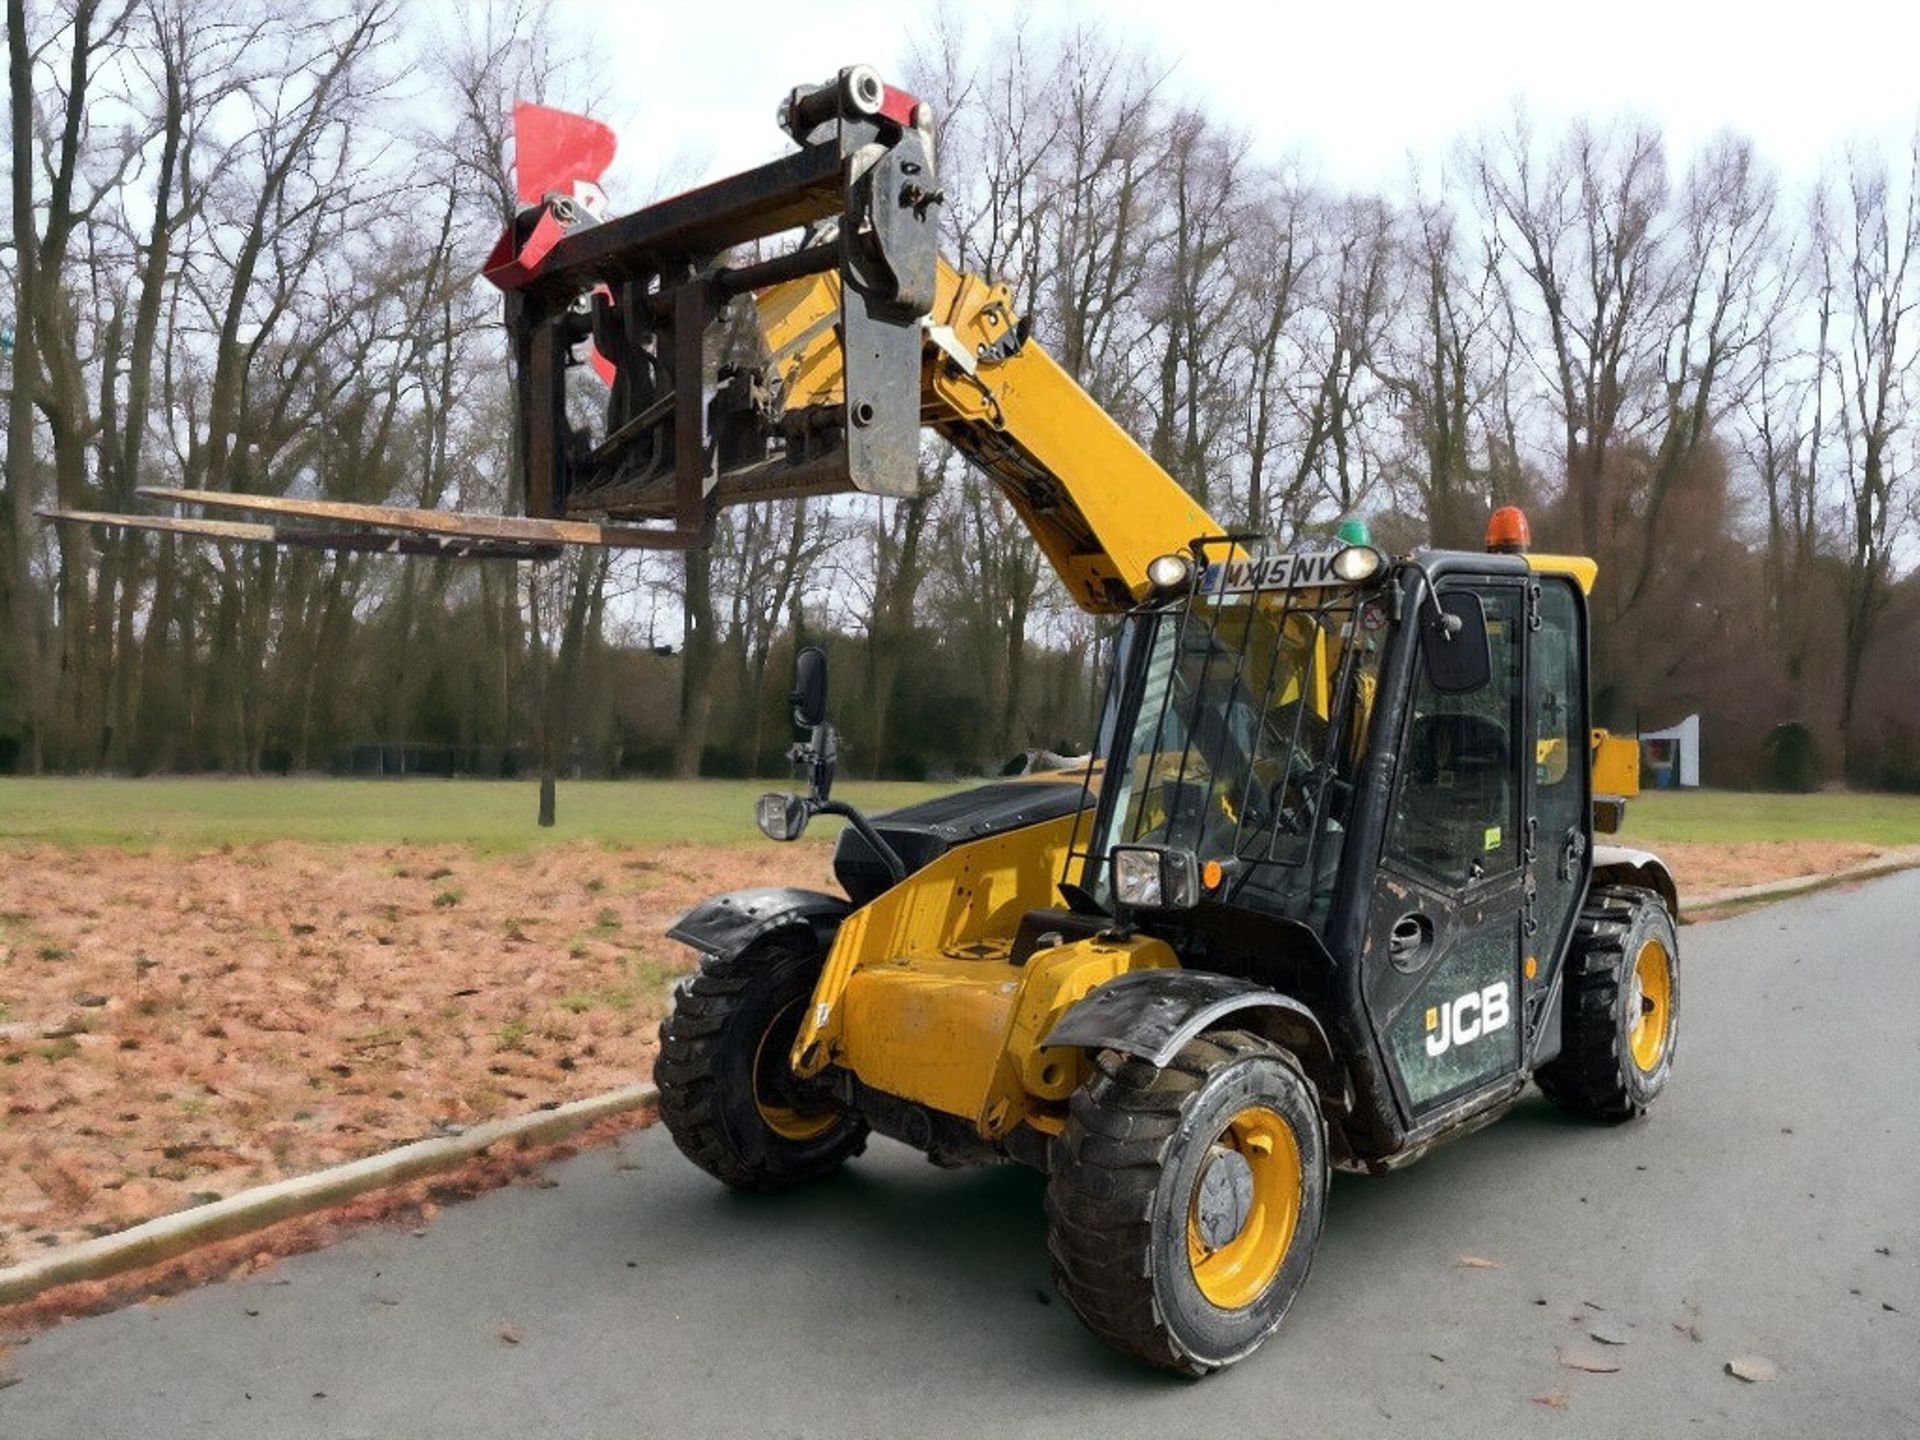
(174, 1029)
(1700, 867)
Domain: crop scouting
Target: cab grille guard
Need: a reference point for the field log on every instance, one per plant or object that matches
(1198, 616)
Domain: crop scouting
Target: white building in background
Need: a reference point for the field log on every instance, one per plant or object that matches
(1670, 758)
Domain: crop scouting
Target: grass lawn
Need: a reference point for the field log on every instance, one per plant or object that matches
(494, 816)
(489, 815)
(1732, 817)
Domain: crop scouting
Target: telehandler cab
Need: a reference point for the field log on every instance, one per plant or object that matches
(1327, 892)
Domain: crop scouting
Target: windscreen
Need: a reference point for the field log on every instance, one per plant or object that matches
(1241, 740)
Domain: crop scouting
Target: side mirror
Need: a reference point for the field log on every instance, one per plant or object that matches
(810, 687)
(1459, 656)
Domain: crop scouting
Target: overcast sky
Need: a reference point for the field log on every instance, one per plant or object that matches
(1358, 85)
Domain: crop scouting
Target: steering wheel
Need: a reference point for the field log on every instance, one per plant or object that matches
(1293, 814)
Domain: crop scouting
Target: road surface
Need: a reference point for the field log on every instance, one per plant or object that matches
(1770, 1206)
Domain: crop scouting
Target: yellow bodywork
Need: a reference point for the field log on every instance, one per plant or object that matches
(1582, 570)
(1616, 764)
(920, 998)
(1097, 504)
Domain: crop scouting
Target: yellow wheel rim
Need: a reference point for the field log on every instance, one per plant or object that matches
(1650, 1005)
(785, 1121)
(1235, 1269)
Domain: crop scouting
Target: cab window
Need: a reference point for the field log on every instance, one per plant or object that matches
(1457, 811)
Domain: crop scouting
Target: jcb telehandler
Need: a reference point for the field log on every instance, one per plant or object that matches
(1327, 893)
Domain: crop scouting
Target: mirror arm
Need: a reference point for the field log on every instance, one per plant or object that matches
(889, 857)
(1449, 624)
(824, 750)
(820, 754)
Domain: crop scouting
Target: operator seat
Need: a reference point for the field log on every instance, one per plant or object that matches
(1458, 790)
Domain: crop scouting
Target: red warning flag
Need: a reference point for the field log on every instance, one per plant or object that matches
(553, 149)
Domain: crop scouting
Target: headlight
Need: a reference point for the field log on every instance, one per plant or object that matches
(1169, 572)
(1154, 877)
(1136, 878)
(779, 816)
(1357, 563)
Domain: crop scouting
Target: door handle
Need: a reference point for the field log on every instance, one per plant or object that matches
(1571, 853)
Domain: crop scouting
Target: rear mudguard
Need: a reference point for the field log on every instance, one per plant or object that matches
(729, 924)
(1618, 865)
(1152, 1013)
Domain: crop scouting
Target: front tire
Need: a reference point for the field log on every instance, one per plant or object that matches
(1184, 1204)
(727, 1093)
(1622, 1016)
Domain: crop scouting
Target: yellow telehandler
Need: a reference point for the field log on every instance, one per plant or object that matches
(1326, 895)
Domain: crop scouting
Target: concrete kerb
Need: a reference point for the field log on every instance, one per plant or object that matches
(251, 1210)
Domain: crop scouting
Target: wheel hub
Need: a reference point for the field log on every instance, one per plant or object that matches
(783, 1103)
(1245, 1203)
(1649, 1005)
(1224, 1197)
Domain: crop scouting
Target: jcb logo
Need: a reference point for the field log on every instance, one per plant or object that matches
(1476, 1013)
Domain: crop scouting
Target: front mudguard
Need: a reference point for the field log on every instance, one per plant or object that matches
(1152, 1013)
(729, 925)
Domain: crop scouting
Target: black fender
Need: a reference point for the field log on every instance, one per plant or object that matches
(728, 924)
(1152, 1013)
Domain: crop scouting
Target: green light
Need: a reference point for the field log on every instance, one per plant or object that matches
(1353, 531)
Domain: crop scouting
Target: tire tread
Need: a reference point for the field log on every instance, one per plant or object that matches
(1122, 1132)
(691, 1038)
(1588, 1077)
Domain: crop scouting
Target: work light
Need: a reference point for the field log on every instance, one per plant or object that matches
(1357, 563)
(780, 816)
(1168, 573)
(1155, 877)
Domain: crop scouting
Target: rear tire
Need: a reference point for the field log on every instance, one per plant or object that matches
(1622, 1007)
(1184, 1204)
(727, 1094)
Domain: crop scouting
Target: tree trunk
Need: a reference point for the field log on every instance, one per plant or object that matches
(20, 604)
(696, 665)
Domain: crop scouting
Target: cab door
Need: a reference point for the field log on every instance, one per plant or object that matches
(1441, 966)
(1558, 841)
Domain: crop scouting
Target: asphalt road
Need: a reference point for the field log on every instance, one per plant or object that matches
(1768, 1207)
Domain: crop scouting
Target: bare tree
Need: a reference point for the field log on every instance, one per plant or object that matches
(83, 165)
(1441, 365)
(1274, 259)
(20, 604)
(1334, 460)
(1722, 311)
(1581, 223)
(1868, 258)
(1194, 397)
